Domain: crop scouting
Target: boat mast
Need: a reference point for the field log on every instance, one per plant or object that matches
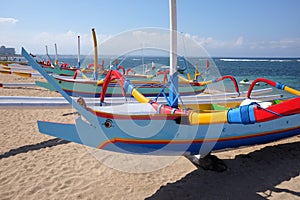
(47, 54)
(173, 55)
(95, 55)
(56, 56)
(78, 55)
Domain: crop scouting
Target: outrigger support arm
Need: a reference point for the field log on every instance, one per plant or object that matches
(221, 79)
(125, 84)
(274, 84)
(213, 81)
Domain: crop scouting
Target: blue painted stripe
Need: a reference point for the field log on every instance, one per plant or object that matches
(251, 114)
(233, 116)
(241, 115)
(128, 87)
(170, 148)
(280, 85)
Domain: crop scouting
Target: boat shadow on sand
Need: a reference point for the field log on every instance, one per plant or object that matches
(33, 147)
(247, 175)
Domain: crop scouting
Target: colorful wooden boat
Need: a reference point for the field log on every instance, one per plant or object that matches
(59, 71)
(92, 88)
(153, 128)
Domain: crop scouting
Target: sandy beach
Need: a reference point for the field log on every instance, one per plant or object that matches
(36, 166)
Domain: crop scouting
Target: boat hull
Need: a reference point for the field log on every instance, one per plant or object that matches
(88, 88)
(171, 138)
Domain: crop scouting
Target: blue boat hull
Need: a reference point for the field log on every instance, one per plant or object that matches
(171, 138)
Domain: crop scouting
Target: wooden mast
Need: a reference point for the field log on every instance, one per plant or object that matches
(95, 55)
(78, 54)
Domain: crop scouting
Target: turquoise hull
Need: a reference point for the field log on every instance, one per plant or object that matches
(173, 138)
(88, 88)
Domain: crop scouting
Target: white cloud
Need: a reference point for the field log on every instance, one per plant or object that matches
(135, 40)
(242, 46)
(66, 42)
(8, 20)
(284, 43)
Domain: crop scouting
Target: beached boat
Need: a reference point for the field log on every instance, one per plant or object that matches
(181, 131)
(152, 128)
(9, 70)
(203, 101)
(93, 88)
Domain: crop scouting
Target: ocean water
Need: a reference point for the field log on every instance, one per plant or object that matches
(283, 70)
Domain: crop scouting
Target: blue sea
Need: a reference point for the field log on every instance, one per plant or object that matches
(283, 70)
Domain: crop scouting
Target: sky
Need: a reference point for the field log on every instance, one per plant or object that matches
(229, 28)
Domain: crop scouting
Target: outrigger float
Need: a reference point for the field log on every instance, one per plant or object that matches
(151, 128)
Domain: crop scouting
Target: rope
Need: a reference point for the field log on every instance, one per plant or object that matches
(270, 111)
(162, 91)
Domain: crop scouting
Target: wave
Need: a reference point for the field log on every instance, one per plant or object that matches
(281, 60)
(255, 60)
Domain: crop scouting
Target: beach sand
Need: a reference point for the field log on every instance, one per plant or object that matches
(36, 166)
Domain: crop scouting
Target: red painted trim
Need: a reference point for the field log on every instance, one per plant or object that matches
(136, 117)
(288, 107)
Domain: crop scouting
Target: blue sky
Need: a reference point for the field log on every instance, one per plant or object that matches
(255, 28)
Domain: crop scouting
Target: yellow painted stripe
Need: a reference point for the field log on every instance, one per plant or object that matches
(23, 74)
(197, 118)
(139, 97)
(291, 90)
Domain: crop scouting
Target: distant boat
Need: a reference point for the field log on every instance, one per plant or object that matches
(247, 82)
(32, 55)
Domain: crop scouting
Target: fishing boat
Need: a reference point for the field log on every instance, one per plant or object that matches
(245, 125)
(151, 128)
(23, 73)
(247, 82)
(91, 88)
